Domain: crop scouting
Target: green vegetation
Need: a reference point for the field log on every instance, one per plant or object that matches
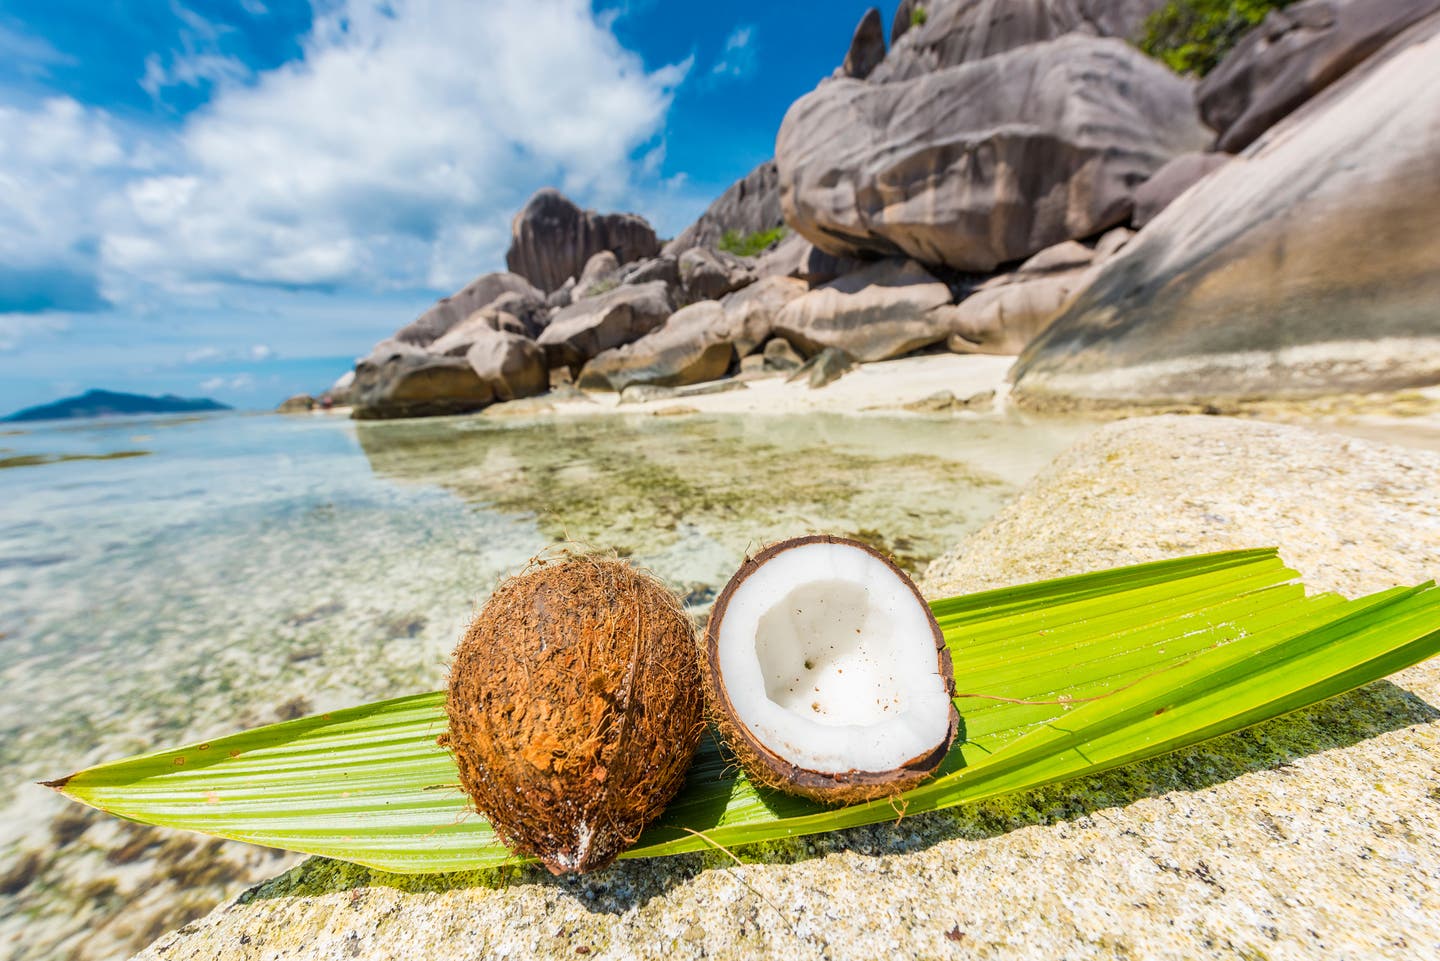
(1066, 678)
(918, 16)
(1193, 36)
(749, 245)
(37, 460)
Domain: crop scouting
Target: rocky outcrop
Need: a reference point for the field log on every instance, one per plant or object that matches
(986, 162)
(880, 312)
(398, 380)
(511, 365)
(1305, 266)
(963, 31)
(750, 312)
(1170, 181)
(586, 328)
(711, 274)
(1293, 54)
(449, 311)
(1005, 313)
(749, 206)
(662, 268)
(689, 348)
(552, 239)
(867, 47)
(297, 404)
(600, 274)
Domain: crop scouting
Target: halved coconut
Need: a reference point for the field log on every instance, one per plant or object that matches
(827, 674)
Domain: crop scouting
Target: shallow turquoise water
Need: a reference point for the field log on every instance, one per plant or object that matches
(246, 568)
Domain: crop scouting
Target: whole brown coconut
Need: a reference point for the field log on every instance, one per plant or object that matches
(575, 709)
(826, 673)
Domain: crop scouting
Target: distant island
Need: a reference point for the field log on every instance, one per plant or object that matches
(109, 403)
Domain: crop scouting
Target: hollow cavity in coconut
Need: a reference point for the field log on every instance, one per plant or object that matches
(827, 674)
(575, 709)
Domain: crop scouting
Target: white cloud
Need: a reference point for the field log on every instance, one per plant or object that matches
(16, 328)
(211, 355)
(395, 152)
(738, 58)
(237, 382)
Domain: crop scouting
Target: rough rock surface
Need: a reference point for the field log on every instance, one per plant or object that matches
(552, 239)
(600, 274)
(587, 327)
(961, 31)
(867, 46)
(663, 268)
(707, 274)
(401, 381)
(880, 312)
(511, 365)
(751, 311)
(1350, 515)
(1005, 313)
(1314, 835)
(449, 311)
(1292, 55)
(1170, 181)
(690, 347)
(794, 256)
(986, 162)
(1306, 266)
(748, 206)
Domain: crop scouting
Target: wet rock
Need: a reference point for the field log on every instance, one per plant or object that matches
(552, 239)
(880, 312)
(1250, 284)
(983, 163)
(586, 328)
(1292, 55)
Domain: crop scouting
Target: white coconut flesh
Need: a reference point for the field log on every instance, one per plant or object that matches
(828, 659)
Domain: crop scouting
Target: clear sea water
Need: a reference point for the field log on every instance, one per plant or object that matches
(233, 570)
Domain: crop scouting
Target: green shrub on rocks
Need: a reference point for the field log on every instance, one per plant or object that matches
(1193, 36)
(749, 245)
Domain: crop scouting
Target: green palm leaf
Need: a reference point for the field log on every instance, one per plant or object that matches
(1144, 659)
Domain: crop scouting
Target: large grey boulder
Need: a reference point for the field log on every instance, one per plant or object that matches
(750, 312)
(986, 162)
(748, 206)
(963, 31)
(1292, 55)
(1306, 266)
(511, 365)
(586, 328)
(552, 239)
(867, 46)
(707, 274)
(689, 348)
(880, 312)
(449, 311)
(1172, 180)
(1005, 313)
(399, 380)
(479, 325)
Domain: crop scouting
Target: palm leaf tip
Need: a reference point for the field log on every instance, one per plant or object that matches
(1171, 653)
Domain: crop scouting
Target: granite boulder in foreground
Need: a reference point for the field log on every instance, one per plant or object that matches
(1307, 265)
(1316, 835)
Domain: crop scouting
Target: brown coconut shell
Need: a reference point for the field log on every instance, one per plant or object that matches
(575, 709)
(762, 765)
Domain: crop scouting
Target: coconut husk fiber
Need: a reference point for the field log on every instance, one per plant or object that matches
(575, 708)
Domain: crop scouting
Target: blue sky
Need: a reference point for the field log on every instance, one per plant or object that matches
(235, 198)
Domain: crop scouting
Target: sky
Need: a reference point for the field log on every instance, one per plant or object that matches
(236, 198)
